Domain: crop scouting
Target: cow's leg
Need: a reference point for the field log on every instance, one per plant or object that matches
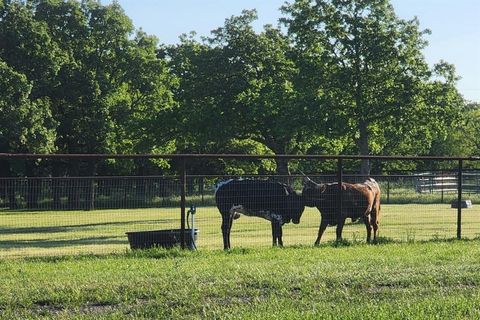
(277, 233)
(377, 219)
(321, 230)
(366, 220)
(280, 234)
(274, 234)
(340, 224)
(374, 224)
(227, 220)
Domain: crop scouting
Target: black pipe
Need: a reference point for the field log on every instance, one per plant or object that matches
(339, 178)
(183, 191)
(459, 203)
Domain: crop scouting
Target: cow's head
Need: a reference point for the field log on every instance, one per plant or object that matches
(299, 208)
(312, 193)
(295, 207)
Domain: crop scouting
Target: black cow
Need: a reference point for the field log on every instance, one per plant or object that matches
(359, 201)
(273, 201)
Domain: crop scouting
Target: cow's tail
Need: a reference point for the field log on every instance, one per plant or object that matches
(374, 206)
(376, 202)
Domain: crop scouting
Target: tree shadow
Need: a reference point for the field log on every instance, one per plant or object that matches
(75, 227)
(46, 243)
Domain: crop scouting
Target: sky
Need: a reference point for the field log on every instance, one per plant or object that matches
(455, 26)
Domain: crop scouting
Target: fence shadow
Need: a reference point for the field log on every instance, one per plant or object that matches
(23, 244)
(76, 227)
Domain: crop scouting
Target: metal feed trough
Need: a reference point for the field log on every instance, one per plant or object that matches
(162, 238)
(166, 238)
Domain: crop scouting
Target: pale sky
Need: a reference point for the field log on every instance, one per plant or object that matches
(455, 26)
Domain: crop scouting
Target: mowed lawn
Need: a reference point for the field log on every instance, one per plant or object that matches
(422, 280)
(54, 233)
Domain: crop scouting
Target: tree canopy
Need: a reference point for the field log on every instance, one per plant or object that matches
(86, 74)
(373, 75)
(336, 77)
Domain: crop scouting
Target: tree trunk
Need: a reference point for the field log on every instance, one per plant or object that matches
(73, 185)
(201, 188)
(11, 191)
(3, 194)
(33, 186)
(4, 172)
(140, 185)
(283, 171)
(363, 148)
(9, 184)
(57, 188)
(90, 186)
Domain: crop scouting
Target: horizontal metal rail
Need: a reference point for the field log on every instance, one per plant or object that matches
(229, 156)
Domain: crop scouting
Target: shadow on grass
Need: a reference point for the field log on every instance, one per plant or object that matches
(241, 251)
(387, 240)
(152, 253)
(75, 227)
(41, 243)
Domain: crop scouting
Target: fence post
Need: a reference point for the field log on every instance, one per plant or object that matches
(442, 175)
(183, 191)
(339, 178)
(388, 190)
(459, 200)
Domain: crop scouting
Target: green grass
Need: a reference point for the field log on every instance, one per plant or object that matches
(405, 195)
(43, 233)
(431, 280)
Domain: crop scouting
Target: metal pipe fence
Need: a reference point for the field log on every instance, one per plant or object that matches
(46, 215)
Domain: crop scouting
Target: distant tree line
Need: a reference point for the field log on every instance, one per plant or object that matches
(335, 77)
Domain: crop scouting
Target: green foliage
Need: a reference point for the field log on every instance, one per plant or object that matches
(242, 85)
(346, 77)
(28, 46)
(101, 88)
(459, 138)
(25, 125)
(372, 76)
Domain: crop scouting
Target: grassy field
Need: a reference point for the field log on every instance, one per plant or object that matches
(431, 280)
(77, 265)
(46, 233)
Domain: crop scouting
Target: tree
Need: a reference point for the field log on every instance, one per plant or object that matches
(26, 45)
(372, 74)
(267, 107)
(242, 85)
(25, 125)
(460, 138)
(204, 121)
(105, 86)
(112, 89)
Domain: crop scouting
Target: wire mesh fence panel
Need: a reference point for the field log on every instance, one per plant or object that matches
(409, 215)
(406, 215)
(470, 225)
(252, 204)
(70, 215)
(83, 215)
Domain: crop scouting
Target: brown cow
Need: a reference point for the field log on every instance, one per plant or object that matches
(359, 201)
